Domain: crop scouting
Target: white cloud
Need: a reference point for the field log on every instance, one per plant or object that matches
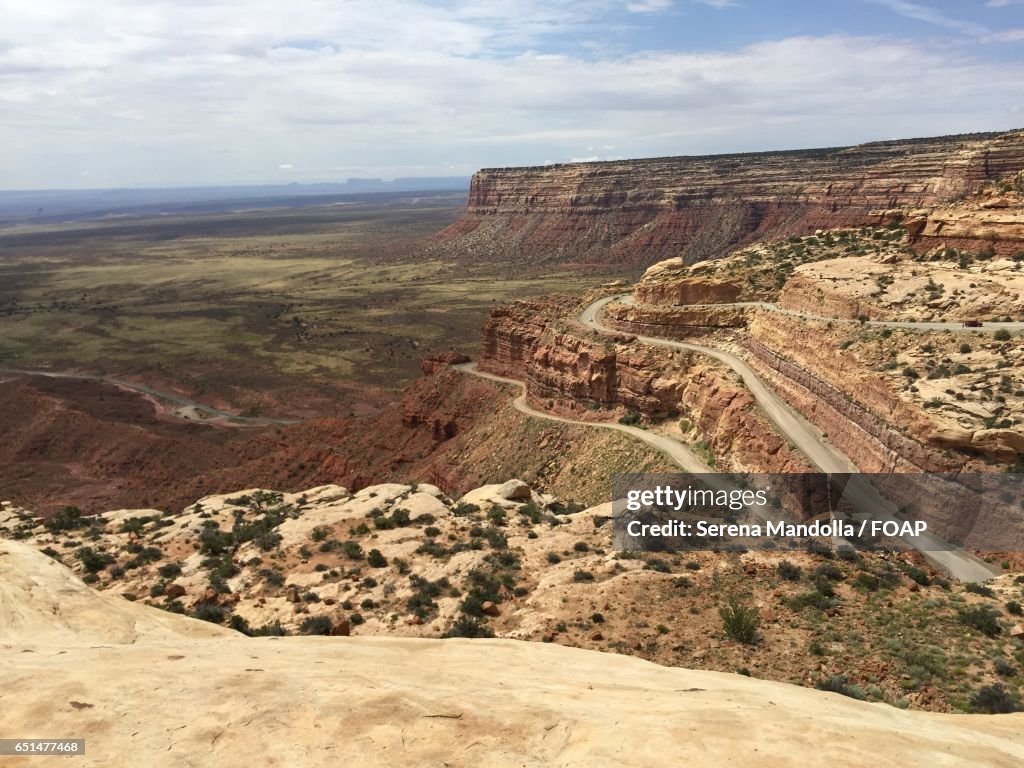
(648, 6)
(204, 91)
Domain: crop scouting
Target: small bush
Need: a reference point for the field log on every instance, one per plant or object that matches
(839, 684)
(979, 589)
(1013, 608)
(789, 571)
(352, 550)
(211, 612)
(581, 575)
(982, 618)
(995, 700)
(1001, 335)
(828, 571)
(630, 418)
(315, 625)
(376, 560)
(467, 626)
(270, 630)
(554, 558)
(169, 570)
(740, 621)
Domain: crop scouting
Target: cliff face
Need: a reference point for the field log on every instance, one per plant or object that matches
(571, 370)
(642, 211)
(994, 220)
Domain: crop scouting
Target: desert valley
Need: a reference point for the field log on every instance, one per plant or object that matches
(240, 451)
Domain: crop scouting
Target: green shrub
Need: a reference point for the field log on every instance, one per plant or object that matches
(630, 418)
(995, 700)
(169, 570)
(376, 560)
(211, 612)
(270, 630)
(789, 571)
(979, 589)
(740, 621)
(581, 575)
(983, 618)
(467, 626)
(828, 571)
(93, 561)
(315, 625)
(839, 684)
(67, 519)
(352, 550)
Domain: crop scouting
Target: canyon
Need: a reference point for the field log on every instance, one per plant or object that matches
(638, 212)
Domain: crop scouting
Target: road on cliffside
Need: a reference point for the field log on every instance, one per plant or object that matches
(687, 460)
(957, 326)
(811, 442)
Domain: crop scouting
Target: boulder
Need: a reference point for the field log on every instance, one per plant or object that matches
(515, 490)
(174, 591)
(341, 629)
(490, 609)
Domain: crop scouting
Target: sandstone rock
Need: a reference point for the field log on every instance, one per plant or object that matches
(341, 628)
(439, 361)
(209, 596)
(1017, 630)
(292, 595)
(490, 609)
(515, 490)
(174, 591)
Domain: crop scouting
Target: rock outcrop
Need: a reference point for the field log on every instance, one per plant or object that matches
(229, 700)
(641, 211)
(570, 369)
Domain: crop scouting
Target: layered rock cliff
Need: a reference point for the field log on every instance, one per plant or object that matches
(642, 211)
(572, 370)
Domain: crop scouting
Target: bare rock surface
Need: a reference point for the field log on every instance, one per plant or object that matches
(176, 692)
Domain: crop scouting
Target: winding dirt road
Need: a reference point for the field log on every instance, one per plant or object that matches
(687, 460)
(805, 436)
(1013, 327)
(187, 406)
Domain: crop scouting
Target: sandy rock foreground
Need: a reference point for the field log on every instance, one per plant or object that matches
(148, 688)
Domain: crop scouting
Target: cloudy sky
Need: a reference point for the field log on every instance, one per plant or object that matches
(104, 93)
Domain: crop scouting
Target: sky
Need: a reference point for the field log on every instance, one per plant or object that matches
(156, 93)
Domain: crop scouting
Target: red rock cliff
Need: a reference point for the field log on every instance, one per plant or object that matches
(643, 211)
